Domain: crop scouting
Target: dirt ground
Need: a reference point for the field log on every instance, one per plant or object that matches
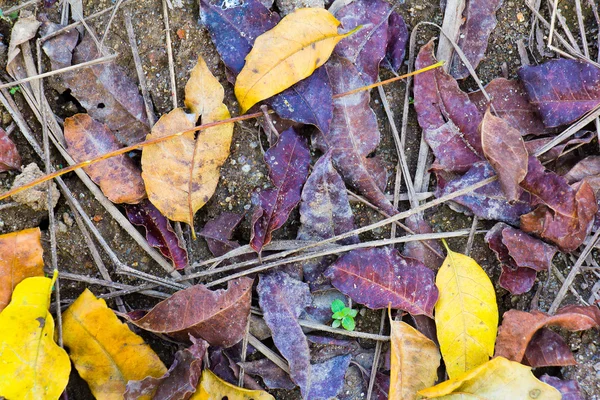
(245, 170)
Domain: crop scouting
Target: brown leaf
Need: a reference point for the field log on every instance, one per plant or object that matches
(20, 258)
(9, 156)
(219, 316)
(504, 148)
(518, 327)
(118, 177)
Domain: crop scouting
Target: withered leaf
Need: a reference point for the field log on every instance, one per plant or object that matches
(547, 349)
(569, 389)
(118, 177)
(578, 138)
(104, 90)
(273, 376)
(219, 316)
(179, 382)
(517, 281)
(448, 118)
(377, 277)
(159, 232)
(288, 161)
(417, 249)
(219, 231)
(354, 133)
(511, 103)
(480, 21)
(518, 327)
(586, 168)
(9, 155)
(505, 150)
(562, 90)
(397, 41)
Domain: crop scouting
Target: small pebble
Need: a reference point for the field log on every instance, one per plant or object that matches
(246, 168)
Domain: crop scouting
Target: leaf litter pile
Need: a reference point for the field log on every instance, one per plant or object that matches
(280, 307)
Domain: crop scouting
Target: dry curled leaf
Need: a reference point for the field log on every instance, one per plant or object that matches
(118, 177)
(9, 155)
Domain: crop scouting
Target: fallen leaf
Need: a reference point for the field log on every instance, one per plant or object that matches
(323, 348)
(288, 161)
(24, 29)
(179, 382)
(487, 202)
(234, 28)
(479, 22)
(182, 174)
(569, 389)
(212, 387)
(562, 90)
(353, 134)
(33, 365)
(496, 379)
(219, 316)
(466, 314)
(159, 232)
(273, 376)
(104, 90)
(579, 138)
(286, 54)
(588, 167)
(548, 349)
(118, 177)
(327, 378)
(21, 257)
(417, 249)
(414, 361)
(37, 196)
(9, 155)
(378, 277)
(448, 118)
(219, 231)
(104, 351)
(397, 41)
(505, 150)
(517, 281)
(518, 327)
(511, 103)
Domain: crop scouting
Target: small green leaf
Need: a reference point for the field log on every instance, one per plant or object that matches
(336, 323)
(353, 313)
(348, 323)
(14, 15)
(338, 315)
(337, 305)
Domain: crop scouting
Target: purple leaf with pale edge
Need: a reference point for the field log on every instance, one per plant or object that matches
(159, 232)
(218, 233)
(569, 389)
(377, 277)
(397, 41)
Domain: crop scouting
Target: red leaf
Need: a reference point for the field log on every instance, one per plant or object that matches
(517, 281)
(548, 349)
(9, 155)
(377, 277)
(219, 231)
(219, 316)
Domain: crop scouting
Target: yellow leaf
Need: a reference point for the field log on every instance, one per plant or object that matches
(20, 258)
(496, 379)
(414, 361)
(32, 365)
(103, 349)
(173, 186)
(466, 314)
(214, 388)
(288, 53)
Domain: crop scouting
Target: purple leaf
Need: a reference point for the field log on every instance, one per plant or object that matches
(233, 30)
(562, 90)
(9, 155)
(487, 202)
(273, 376)
(219, 231)
(588, 167)
(480, 21)
(377, 277)
(517, 281)
(327, 378)
(494, 240)
(288, 163)
(397, 41)
(569, 389)
(548, 349)
(320, 308)
(367, 47)
(354, 133)
(511, 103)
(179, 382)
(159, 232)
(579, 138)
(417, 249)
(448, 118)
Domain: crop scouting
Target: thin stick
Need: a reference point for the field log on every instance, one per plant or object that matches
(243, 355)
(470, 241)
(20, 6)
(267, 352)
(170, 54)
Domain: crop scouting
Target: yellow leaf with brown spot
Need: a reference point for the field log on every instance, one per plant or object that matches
(181, 174)
(496, 379)
(466, 314)
(20, 258)
(300, 43)
(32, 365)
(105, 352)
(212, 387)
(414, 361)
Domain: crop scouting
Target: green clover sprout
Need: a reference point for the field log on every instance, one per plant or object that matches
(343, 315)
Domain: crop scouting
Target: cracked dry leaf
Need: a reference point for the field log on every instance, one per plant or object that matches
(466, 314)
(32, 365)
(105, 352)
(20, 257)
(181, 174)
(286, 54)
